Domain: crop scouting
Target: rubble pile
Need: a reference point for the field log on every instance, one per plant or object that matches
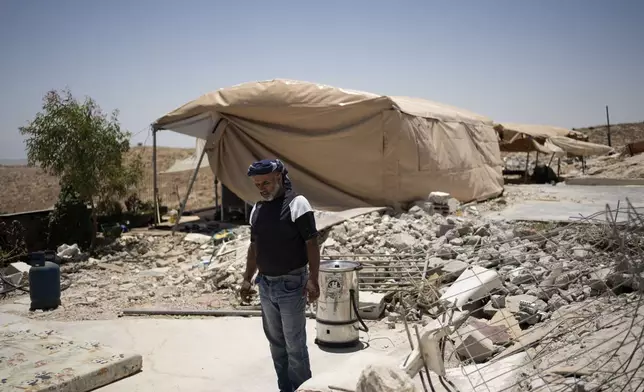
(541, 290)
(144, 270)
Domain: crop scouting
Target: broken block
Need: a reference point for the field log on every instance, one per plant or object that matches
(439, 197)
(474, 284)
(498, 334)
(474, 345)
(19, 266)
(384, 379)
(372, 305)
(504, 317)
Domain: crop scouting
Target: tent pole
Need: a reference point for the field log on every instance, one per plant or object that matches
(155, 188)
(558, 166)
(217, 197)
(182, 207)
(551, 158)
(527, 160)
(583, 165)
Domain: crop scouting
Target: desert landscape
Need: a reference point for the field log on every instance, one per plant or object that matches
(28, 188)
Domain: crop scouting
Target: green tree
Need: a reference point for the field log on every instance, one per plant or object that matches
(84, 147)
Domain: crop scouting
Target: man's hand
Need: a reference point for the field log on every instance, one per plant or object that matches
(312, 290)
(246, 291)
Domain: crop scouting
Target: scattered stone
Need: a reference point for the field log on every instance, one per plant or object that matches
(17, 267)
(513, 303)
(197, 238)
(439, 197)
(475, 346)
(401, 241)
(375, 378)
(504, 317)
(155, 272)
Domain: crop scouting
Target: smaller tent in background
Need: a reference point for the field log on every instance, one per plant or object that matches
(549, 140)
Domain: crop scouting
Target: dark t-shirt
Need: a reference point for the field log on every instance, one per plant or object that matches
(279, 229)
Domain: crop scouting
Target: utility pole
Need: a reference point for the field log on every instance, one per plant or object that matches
(608, 127)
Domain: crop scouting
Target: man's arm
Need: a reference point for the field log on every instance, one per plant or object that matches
(251, 262)
(302, 215)
(251, 257)
(313, 254)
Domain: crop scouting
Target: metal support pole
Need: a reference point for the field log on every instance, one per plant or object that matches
(527, 160)
(558, 166)
(217, 197)
(608, 127)
(182, 207)
(155, 188)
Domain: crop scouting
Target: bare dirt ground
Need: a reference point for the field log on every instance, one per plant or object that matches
(27, 188)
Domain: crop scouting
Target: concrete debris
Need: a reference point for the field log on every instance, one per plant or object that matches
(16, 267)
(69, 252)
(377, 378)
(372, 305)
(197, 238)
(474, 345)
(474, 284)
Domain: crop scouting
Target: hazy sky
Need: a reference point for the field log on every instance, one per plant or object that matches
(548, 61)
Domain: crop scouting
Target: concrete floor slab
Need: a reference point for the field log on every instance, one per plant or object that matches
(570, 202)
(225, 354)
(36, 359)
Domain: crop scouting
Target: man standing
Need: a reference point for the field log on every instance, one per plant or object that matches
(283, 241)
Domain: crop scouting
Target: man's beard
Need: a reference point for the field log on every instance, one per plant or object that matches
(273, 195)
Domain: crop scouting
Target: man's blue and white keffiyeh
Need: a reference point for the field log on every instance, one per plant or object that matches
(266, 166)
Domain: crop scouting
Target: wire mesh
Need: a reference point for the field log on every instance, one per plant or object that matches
(557, 309)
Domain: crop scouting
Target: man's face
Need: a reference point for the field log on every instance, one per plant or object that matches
(269, 185)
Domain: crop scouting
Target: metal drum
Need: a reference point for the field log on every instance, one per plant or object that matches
(337, 309)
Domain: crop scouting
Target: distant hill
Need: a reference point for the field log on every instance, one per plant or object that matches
(620, 134)
(27, 188)
(13, 162)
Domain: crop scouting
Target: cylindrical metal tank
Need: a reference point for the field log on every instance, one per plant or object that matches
(337, 308)
(44, 281)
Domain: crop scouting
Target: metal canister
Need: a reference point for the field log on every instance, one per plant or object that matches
(44, 281)
(337, 317)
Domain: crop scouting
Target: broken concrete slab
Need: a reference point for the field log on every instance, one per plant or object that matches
(450, 269)
(506, 319)
(496, 375)
(372, 305)
(16, 267)
(380, 378)
(197, 238)
(40, 360)
(475, 346)
(474, 284)
(498, 334)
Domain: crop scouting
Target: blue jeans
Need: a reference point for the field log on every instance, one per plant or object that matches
(284, 320)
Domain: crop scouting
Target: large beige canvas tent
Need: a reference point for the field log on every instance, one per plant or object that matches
(343, 148)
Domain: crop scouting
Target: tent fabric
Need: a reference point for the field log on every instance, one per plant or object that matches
(512, 130)
(578, 147)
(546, 139)
(345, 148)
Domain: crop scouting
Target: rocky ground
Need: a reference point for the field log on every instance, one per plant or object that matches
(568, 295)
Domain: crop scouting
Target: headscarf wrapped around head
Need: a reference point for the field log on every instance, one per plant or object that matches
(266, 166)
